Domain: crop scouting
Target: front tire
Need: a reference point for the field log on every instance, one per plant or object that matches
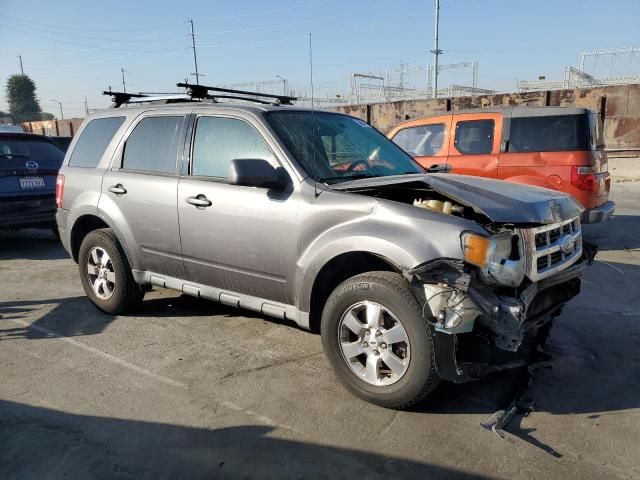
(106, 275)
(378, 341)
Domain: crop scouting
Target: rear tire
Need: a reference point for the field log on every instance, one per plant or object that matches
(106, 275)
(386, 355)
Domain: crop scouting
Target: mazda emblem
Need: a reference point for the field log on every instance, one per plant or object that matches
(31, 165)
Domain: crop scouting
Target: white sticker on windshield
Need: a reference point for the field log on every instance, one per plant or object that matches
(362, 123)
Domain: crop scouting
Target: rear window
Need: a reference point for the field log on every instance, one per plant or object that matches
(550, 134)
(41, 151)
(422, 141)
(93, 141)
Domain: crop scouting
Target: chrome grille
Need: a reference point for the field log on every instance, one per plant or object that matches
(551, 248)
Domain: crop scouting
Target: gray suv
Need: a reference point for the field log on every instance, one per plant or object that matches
(315, 217)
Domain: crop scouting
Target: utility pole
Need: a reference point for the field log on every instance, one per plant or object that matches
(59, 103)
(195, 57)
(21, 69)
(124, 85)
(86, 107)
(436, 51)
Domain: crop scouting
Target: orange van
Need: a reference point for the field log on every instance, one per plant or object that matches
(552, 147)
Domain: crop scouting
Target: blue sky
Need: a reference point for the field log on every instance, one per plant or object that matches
(74, 49)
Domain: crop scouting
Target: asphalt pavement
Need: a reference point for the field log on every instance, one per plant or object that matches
(192, 389)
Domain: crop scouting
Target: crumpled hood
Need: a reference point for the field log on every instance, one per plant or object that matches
(500, 201)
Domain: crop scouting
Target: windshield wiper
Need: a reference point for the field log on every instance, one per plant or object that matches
(13, 155)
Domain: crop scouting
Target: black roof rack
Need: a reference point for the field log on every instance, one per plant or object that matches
(119, 98)
(197, 93)
(202, 92)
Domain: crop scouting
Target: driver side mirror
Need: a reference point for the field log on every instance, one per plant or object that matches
(440, 168)
(252, 172)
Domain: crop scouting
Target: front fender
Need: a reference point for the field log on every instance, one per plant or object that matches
(402, 235)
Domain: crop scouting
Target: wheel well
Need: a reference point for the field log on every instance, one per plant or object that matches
(83, 226)
(336, 271)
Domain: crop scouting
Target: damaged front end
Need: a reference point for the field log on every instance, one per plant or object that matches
(493, 316)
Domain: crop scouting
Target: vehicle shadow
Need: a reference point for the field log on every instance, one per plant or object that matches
(83, 446)
(31, 244)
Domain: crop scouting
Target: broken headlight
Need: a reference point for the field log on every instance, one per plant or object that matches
(498, 257)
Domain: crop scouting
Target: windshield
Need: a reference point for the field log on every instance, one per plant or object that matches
(333, 148)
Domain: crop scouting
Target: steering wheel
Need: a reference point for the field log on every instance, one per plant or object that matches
(353, 166)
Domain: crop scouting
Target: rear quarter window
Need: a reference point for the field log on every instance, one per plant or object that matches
(93, 141)
(550, 134)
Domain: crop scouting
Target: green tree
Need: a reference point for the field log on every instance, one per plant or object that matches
(21, 96)
(47, 116)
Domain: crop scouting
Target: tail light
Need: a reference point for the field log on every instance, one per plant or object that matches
(584, 178)
(59, 190)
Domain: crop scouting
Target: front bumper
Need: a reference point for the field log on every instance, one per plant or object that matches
(507, 328)
(598, 214)
(36, 211)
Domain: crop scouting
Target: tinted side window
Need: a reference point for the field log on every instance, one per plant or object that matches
(547, 134)
(153, 145)
(422, 141)
(474, 137)
(93, 141)
(219, 140)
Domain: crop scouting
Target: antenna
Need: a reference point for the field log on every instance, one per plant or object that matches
(311, 70)
(313, 118)
(195, 58)
(124, 85)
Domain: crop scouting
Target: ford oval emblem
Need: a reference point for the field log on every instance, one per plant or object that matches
(567, 244)
(31, 165)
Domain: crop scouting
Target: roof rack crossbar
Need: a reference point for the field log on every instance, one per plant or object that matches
(238, 97)
(119, 98)
(123, 98)
(202, 91)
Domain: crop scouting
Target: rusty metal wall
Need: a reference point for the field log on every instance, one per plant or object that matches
(622, 109)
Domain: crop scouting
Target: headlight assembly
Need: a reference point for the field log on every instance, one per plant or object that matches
(499, 257)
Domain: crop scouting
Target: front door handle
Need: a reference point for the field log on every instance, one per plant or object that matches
(118, 189)
(200, 201)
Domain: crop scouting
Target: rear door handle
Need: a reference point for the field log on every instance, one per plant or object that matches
(200, 201)
(118, 189)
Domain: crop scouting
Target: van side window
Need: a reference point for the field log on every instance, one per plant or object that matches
(153, 145)
(219, 140)
(474, 137)
(422, 141)
(93, 141)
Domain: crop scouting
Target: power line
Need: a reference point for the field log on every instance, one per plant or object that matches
(324, 34)
(302, 22)
(268, 12)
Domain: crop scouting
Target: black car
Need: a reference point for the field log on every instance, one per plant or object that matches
(29, 167)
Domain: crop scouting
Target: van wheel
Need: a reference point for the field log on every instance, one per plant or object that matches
(377, 340)
(106, 275)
